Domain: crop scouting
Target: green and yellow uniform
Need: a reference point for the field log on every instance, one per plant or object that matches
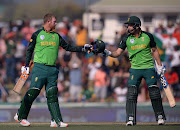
(142, 65)
(45, 45)
(139, 50)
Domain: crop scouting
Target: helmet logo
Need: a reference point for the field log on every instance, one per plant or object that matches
(128, 19)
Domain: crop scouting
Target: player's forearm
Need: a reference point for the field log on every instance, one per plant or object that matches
(156, 55)
(116, 53)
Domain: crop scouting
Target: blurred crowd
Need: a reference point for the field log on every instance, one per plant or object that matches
(83, 77)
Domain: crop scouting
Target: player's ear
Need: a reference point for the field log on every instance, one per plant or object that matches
(48, 21)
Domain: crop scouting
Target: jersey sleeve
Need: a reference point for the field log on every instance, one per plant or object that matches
(30, 49)
(122, 44)
(152, 41)
(68, 47)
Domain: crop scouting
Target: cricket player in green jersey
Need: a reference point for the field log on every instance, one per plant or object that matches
(141, 48)
(45, 44)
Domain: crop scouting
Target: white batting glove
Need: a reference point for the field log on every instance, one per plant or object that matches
(107, 53)
(161, 70)
(87, 47)
(25, 69)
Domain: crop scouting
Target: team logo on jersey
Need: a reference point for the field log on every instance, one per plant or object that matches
(42, 37)
(53, 36)
(131, 40)
(142, 38)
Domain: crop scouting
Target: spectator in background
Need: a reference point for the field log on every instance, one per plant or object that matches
(177, 29)
(92, 71)
(100, 84)
(175, 60)
(120, 92)
(170, 28)
(87, 94)
(3, 49)
(81, 37)
(116, 38)
(20, 52)
(62, 30)
(168, 45)
(3, 90)
(160, 29)
(177, 33)
(66, 22)
(75, 78)
(73, 32)
(26, 33)
(172, 79)
(10, 40)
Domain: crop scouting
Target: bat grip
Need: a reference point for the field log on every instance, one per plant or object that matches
(24, 75)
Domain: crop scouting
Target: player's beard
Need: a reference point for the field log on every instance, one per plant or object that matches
(53, 27)
(131, 31)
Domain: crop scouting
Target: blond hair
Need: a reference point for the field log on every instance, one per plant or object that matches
(48, 17)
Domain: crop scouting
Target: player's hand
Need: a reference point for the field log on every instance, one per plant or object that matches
(25, 69)
(87, 47)
(106, 53)
(161, 70)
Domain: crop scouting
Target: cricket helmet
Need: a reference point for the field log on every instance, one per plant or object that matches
(98, 46)
(133, 20)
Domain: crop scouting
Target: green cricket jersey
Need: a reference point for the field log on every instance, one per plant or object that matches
(139, 50)
(46, 46)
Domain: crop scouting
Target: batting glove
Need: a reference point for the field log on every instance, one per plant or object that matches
(25, 69)
(106, 53)
(87, 48)
(161, 70)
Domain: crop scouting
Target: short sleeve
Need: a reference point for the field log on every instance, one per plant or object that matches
(152, 41)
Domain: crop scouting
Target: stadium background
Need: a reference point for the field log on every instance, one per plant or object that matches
(80, 22)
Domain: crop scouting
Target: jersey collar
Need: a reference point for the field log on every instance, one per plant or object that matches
(52, 30)
(140, 32)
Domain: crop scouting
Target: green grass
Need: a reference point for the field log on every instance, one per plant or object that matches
(92, 126)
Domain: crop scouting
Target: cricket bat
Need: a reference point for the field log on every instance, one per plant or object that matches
(21, 81)
(167, 89)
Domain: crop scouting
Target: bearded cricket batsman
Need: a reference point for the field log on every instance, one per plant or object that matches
(141, 48)
(45, 44)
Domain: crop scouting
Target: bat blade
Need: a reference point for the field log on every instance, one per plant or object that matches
(20, 83)
(167, 91)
